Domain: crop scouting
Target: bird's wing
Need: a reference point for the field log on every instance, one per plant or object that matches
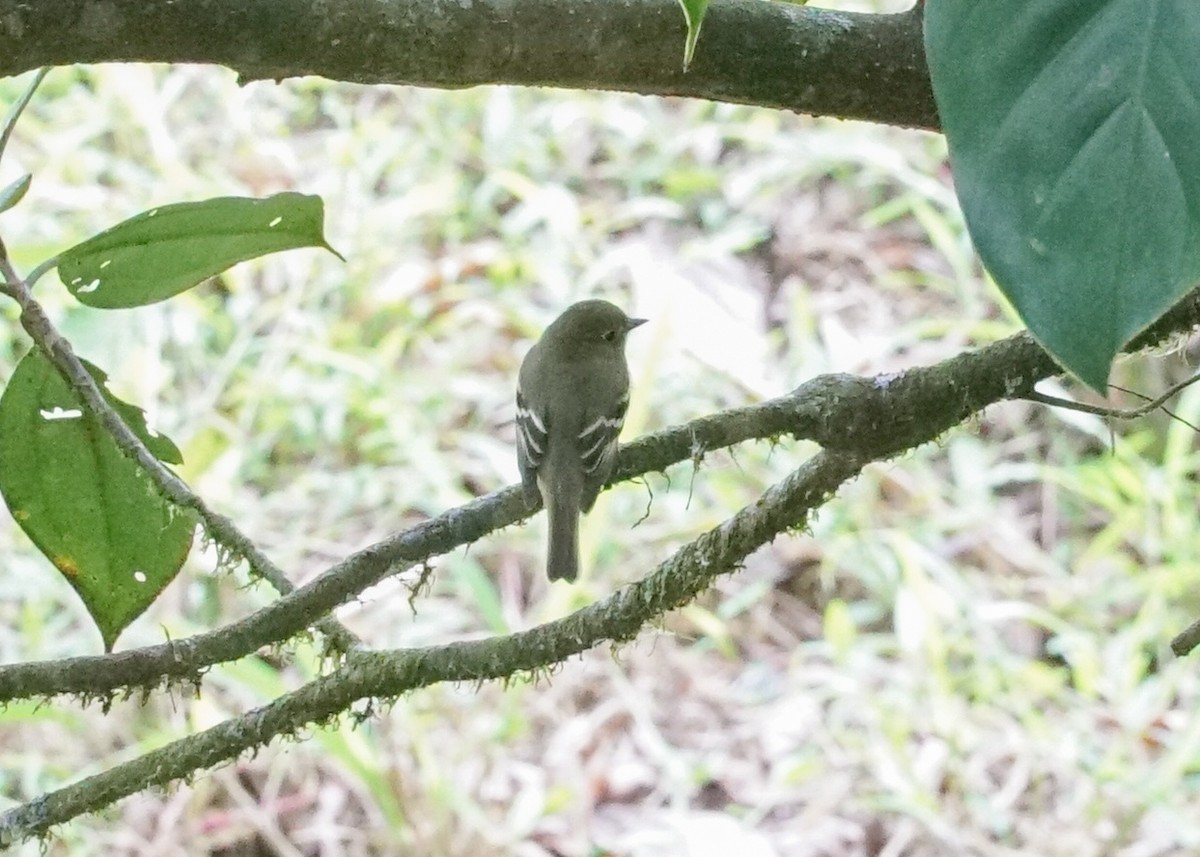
(598, 449)
(532, 442)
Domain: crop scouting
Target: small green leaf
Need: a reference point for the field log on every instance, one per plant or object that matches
(167, 250)
(91, 510)
(15, 192)
(1072, 127)
(160, 446)
(693, 15)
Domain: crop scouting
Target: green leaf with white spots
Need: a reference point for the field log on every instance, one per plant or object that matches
(89, 508)
(169, 249)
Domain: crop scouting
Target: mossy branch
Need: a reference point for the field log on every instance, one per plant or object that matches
(387, 674)
(875, 417)
(856, 419)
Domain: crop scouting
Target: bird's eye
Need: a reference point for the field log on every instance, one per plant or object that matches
(609, 335)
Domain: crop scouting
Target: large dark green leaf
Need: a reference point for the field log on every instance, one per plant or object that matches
(1072, 127)
(167, 250)
(87, 507)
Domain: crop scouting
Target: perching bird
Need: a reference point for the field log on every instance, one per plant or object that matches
(572, 394)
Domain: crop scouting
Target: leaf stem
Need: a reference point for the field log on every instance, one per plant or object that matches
(14, 112)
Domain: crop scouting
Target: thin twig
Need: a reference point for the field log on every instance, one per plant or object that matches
(1170, 413)
(40, 271)
(1114, 413)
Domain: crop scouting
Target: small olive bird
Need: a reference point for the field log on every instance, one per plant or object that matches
(572, 394)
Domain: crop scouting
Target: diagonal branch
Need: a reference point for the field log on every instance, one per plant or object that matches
(386, 675)
(781, 55)
(876, 416)
(857, 419)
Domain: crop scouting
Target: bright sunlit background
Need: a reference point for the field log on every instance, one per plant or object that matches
(966, 654)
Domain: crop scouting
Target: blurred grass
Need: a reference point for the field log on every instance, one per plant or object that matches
(966, 654)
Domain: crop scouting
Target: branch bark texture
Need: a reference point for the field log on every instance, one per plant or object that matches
(387, 674)
(856, 419)
(876, 417)
(769, 54)
(808, 60)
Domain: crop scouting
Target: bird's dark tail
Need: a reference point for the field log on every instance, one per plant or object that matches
(562, 551)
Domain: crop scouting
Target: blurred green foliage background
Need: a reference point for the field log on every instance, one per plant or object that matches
(965, 655)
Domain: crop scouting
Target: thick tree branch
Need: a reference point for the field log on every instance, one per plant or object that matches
(878, 416)
(798, 58)
(386, 675)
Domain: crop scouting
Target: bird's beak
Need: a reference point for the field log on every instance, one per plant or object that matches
(631, 323)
